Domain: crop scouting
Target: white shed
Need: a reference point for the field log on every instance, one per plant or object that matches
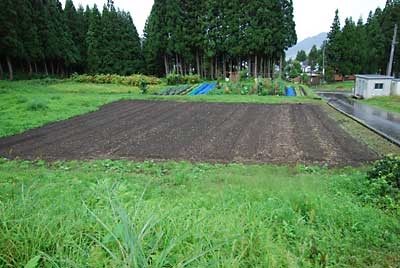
(395, 87)
(370, 86)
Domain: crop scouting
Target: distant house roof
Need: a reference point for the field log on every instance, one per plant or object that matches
(374, 76)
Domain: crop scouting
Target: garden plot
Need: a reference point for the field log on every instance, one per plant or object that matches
(205, 132)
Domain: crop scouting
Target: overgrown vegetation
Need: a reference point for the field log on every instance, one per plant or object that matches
(167, 214)
(132, 80)
(384, 182)
(338, 86)
(177, 79)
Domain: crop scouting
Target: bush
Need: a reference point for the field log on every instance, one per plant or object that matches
(243, 74)
(132, 80)
(192, 79)
(37, 105)
(177, 79)
(174, 79)
(143, 86)
(387, 169)
(384, 183)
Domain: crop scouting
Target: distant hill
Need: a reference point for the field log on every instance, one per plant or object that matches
(306, 45)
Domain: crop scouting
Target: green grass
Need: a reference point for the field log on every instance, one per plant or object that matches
(391, 104)
(339, 86)
(116, 214)
(29, 104)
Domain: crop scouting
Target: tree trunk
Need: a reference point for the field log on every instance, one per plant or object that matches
(36, 69)
(280, 66)
(52, 67)
(212, 68)
(46, 71)
(262, 66)
(224, 67)
(58, 71)
(249, 66)
(10, 69)
(198, 62)
(1, 71)
(30, 69)
(256, 66)
(166, 65)
(216, 67)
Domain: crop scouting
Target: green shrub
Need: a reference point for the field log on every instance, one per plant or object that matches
(387, 169)
(177, 79)
(37, 105)
(143, 86)
(192, 79)
(174, 79)
(384, 183)
(243, 74)
(132, 80)
(244, 90)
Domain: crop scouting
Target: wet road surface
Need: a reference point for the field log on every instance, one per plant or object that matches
(385, 123)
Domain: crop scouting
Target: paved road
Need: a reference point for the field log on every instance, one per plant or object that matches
(385, 123)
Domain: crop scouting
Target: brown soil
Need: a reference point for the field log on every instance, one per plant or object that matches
(207, 132)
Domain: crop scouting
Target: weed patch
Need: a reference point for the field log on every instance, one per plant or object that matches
(37, 105)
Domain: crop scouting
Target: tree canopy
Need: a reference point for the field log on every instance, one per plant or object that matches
(43, 37)
(212, 38)
(364, 47)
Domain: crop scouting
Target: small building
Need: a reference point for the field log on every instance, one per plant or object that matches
(315, 79)
(370, 86)
(395, 87)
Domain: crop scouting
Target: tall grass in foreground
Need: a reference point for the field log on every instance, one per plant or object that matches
(97, 215)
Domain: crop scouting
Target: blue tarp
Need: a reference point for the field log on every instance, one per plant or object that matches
(290, 92)
(199, 89)
(207, 89)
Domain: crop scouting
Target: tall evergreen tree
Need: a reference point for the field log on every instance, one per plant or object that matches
(10, 44)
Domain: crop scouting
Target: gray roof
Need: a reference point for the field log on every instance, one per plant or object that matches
(374, 76)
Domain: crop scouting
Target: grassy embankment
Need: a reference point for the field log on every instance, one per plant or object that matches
(93, 214)
(346, 86)
(126, 214)
(391, 104)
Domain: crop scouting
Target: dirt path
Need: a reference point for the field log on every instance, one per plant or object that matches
(209, 132)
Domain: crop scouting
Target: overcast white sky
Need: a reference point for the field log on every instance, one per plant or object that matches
(312, 16)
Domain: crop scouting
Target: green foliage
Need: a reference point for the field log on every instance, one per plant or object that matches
(174, 79)
(244, 90)
(243, 74)
(145, 213)
(391, 103)
(143, 85)
(208, 36)
(192, 79)
(177, 79)
(361, 47)
(387, 169)
(301, 56)
(305, 78)
(132, 80)
(293, 69)
(37, 105)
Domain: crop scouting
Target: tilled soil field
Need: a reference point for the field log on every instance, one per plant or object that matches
(205, 132)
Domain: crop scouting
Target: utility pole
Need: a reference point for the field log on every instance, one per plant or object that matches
(323, 63)
(394, 42)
